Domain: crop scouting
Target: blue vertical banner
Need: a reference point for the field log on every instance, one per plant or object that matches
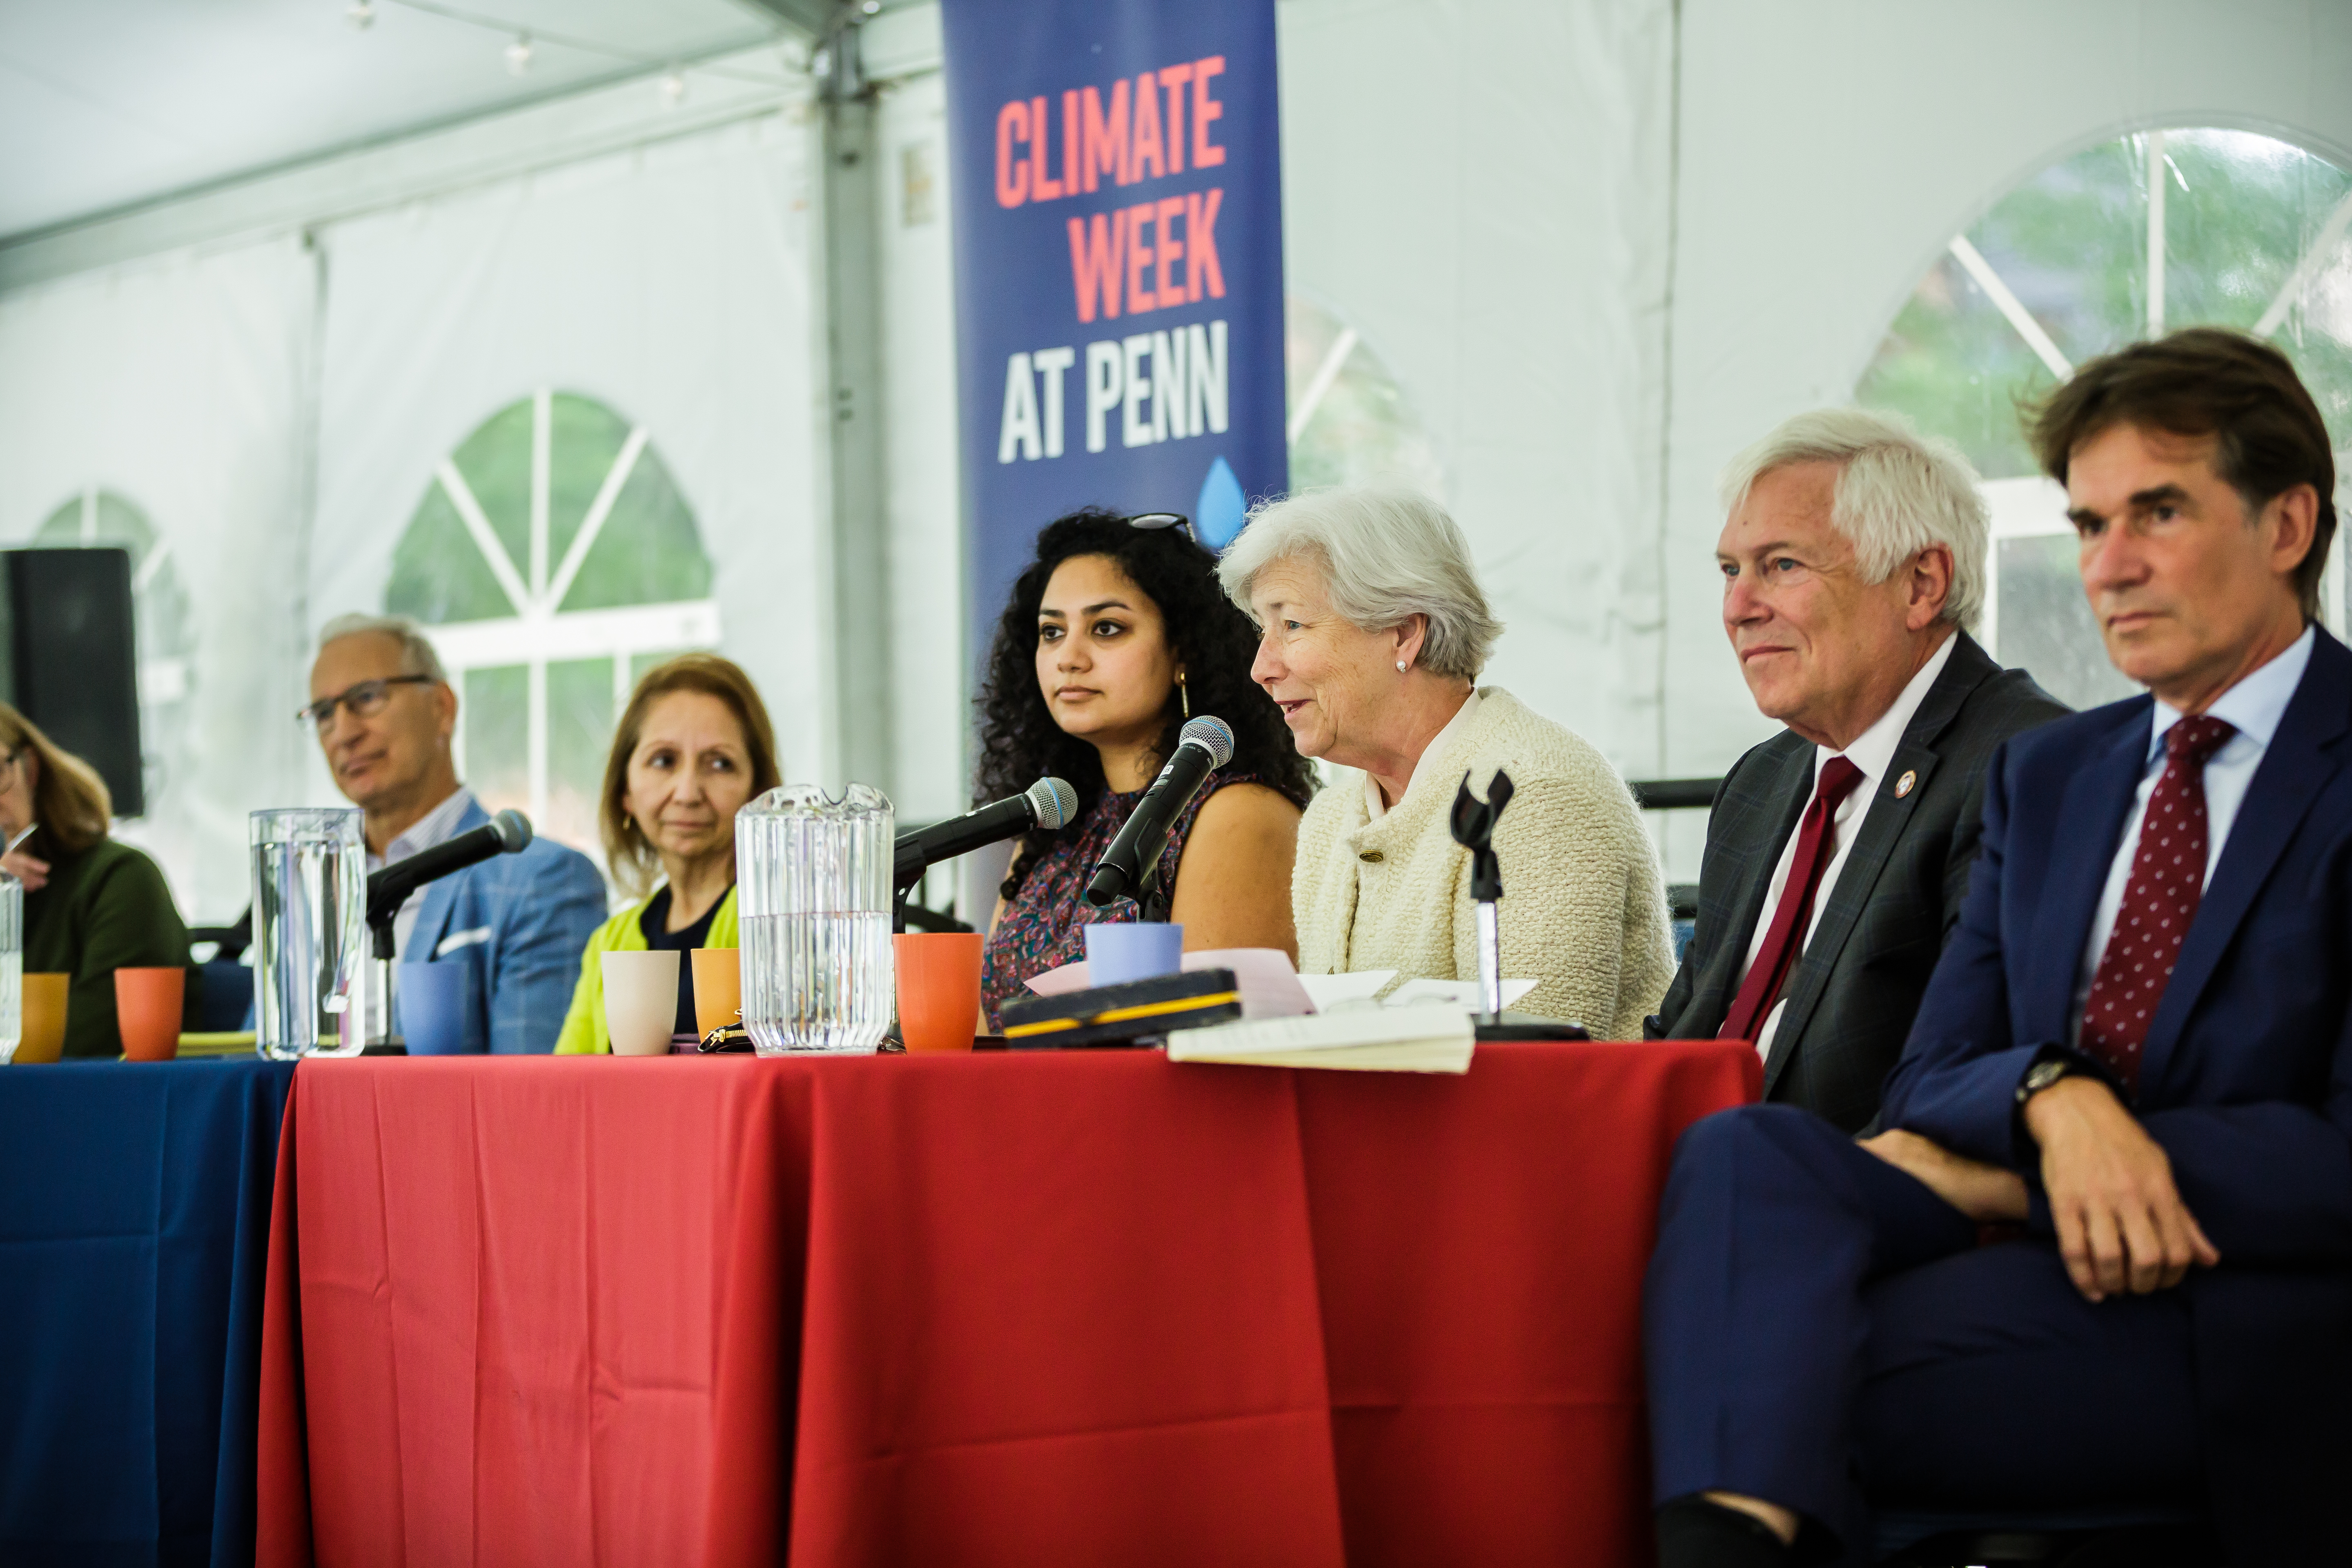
(1117, 187)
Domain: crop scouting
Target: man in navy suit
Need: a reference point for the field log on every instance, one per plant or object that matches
(2136, 1052)
(386, 713)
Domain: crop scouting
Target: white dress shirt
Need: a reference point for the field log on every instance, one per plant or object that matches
(2255, 705)
(438, 826)
(1872, 751)
(1374, 807)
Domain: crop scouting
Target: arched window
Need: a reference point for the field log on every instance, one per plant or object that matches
(2125, 240)
(1350, 423)
(555, 561)
(167, 633)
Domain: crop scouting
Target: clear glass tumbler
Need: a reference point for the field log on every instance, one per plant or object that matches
(12, 965)
(813, 881)
(310, 932)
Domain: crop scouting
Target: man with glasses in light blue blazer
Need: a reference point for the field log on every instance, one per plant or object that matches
(384, 713)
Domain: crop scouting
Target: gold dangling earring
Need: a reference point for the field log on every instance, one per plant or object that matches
(1184, 695)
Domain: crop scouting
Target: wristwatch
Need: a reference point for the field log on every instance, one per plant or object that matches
(2042, 1075)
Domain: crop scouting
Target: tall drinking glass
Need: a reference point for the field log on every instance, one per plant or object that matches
(12, 965)
(814, 884)
(310, 932)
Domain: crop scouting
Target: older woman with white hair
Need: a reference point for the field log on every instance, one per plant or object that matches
(1372, 632)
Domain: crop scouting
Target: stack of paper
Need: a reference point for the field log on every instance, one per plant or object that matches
(1434, 1038)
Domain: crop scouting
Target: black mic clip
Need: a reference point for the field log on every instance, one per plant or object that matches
(1151, 895)
(1474, 828)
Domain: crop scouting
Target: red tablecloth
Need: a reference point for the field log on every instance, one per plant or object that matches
(1028, 1308)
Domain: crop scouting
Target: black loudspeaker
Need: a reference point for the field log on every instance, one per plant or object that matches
(69, 659)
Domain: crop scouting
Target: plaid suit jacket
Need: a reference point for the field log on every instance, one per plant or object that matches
(1857, 985)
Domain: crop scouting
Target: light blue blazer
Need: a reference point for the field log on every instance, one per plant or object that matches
(523, 920)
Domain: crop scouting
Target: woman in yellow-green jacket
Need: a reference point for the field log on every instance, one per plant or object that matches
(692, 748)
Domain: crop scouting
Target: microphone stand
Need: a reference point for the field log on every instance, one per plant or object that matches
(383, 950)
(1474, 828)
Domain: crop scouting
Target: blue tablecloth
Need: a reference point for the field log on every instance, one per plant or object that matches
(134, 1229)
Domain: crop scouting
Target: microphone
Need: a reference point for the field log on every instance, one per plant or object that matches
(1203, 746)
(1049, 803)
(388, 888)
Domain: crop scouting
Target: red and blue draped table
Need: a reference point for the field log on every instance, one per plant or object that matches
(1016, 1308)
(134, 1226)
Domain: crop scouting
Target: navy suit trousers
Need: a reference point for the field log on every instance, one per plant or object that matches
(1823, 1331)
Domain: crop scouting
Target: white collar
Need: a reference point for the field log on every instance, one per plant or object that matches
(2255, 705)
(1874, 750)
(1374, 809)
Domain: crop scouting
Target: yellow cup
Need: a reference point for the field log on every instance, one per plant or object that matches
(44, 1035)
(718, 988)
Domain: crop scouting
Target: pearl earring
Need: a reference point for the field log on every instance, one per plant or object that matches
(1401, 667)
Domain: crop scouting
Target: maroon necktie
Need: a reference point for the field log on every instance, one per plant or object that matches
(2167, 878)
(1785, 938)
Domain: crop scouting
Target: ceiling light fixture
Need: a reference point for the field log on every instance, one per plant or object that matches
(360, 14)
(519, 55)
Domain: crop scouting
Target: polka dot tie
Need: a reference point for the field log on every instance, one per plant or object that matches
(2167, 878)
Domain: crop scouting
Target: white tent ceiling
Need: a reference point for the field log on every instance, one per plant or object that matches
(108, 103)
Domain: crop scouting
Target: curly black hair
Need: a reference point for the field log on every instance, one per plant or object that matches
(1020, 743)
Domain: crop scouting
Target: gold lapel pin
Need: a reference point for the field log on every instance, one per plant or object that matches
(1903, 785)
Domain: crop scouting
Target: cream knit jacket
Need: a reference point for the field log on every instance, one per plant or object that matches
(1583, 910)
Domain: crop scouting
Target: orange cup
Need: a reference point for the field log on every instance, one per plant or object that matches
(718, 988)
(147, 1011)
(43, 1036)
(938, 989)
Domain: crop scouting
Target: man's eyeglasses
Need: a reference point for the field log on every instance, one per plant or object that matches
(1174, 520)
(365, 701)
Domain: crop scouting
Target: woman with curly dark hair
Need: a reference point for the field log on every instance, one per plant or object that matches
(1116, 634)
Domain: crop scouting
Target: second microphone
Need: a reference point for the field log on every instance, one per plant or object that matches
(1203, 746)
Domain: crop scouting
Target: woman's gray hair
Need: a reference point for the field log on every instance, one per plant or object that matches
(416, 655)
(1387, 554)
(1898, 493)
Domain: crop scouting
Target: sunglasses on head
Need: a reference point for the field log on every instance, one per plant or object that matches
(1155, 519)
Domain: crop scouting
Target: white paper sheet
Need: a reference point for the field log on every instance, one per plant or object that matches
(1461, 994)
(1329, 991)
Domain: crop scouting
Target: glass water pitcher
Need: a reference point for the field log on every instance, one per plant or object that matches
(813, 890)
(310, 932)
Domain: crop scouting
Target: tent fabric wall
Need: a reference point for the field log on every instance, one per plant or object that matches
(1829, 150)
(1480, 189)
(183, 384)
(674, 284)
(923, 511)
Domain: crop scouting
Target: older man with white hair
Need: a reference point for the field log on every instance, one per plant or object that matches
(1838, 852)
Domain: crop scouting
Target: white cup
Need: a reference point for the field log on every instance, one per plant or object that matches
(641, 1001)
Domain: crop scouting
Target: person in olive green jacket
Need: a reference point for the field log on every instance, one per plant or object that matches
(91, 905)
(693, 746)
